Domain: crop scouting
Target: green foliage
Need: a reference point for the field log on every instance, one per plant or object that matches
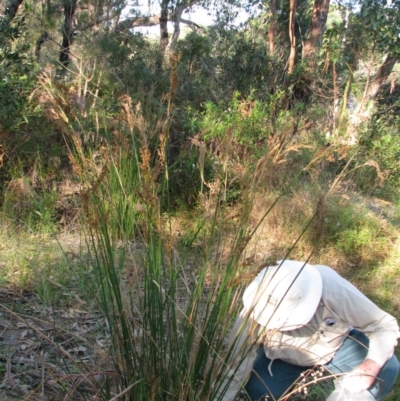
(16, 74)
(332, 42)
(29, 205)
(353, 239)
(131, 64)
(242, 60)
(194, 68)
(194, 47)
(353, 231)
(185, 178)
(381, 153)
(123, 191)
(243, 122)
(382, 20)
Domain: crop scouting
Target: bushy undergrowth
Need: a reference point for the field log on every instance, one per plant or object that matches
(381, 151)
(16, 74)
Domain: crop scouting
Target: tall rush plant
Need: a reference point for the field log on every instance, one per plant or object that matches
(167, 326)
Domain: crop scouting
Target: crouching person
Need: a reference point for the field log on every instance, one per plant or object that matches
(297, 316)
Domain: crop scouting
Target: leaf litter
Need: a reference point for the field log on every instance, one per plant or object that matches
(50, 353)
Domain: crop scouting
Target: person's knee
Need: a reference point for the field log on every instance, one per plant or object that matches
(390, 370)
(386, 378)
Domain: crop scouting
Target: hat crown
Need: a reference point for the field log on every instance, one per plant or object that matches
(285, 296)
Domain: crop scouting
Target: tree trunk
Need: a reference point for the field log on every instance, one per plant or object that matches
(164, 40)
(362, 114)
(345, 101)
(335, 94)
(292, 36)
(316, 32)
(173, 57)
(133, 22)
(373, 85)
(177, 29)
(67, 31)
(382, 75)
(39, 43)
(271, 28)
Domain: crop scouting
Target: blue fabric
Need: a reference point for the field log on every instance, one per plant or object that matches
(350, 355)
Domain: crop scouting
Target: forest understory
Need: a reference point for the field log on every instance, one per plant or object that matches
(146, 179)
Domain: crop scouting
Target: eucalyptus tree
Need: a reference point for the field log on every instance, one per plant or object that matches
(303, 22)
(313, 41)
(69, 7)
(160, 13)
(381, 22)
(292, 35)
(272, 27)
(84, 16)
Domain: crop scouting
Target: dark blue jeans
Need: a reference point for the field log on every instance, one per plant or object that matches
(350, 355)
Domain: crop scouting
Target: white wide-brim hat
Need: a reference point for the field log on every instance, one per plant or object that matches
(284, 297)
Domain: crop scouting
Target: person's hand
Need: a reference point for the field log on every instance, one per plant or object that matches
(362, 377)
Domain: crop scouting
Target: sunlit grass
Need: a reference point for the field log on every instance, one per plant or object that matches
(383, 282)
(47, 265)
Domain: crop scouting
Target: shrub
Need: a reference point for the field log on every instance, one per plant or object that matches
(380, 152)
(242, 122)
(16, 75)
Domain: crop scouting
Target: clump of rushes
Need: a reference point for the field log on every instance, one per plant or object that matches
(167, 315)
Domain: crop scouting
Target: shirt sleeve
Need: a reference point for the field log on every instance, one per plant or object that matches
(243, 354)
(361, 313)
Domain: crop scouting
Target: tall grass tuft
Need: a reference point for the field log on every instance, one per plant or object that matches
(167, 312)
